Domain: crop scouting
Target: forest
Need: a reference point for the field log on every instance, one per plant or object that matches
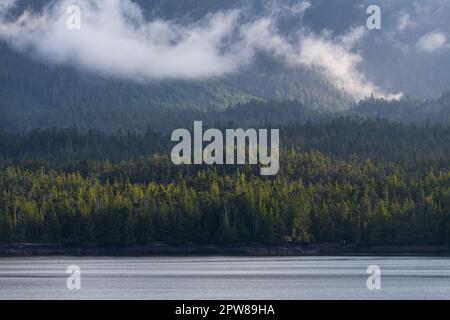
(343, 178)
(86, 158)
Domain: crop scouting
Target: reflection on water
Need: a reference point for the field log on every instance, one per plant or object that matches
(225, 278)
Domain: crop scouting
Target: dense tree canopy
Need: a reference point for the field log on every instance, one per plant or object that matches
(341, 179)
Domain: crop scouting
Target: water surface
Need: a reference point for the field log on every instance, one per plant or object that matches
(225, 278)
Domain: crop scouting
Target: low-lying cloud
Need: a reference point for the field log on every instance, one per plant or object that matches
(116, 40)
(340, 63)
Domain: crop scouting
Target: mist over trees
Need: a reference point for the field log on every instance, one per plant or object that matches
(84, 156)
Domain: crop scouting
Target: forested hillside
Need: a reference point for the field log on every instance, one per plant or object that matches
(314, 199)
(411, 146)
(35, 94)
(407, 110)
(360, 181)
(85, 153)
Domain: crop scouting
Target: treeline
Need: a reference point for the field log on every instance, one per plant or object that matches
(414, 148)
(352, 179)
(313, 199)
(407, 110)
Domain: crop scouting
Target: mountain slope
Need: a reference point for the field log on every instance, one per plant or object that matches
(407, 110)
(35, 94)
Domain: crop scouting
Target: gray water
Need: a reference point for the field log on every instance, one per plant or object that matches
(225, 278)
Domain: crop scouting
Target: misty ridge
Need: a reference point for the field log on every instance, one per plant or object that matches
(137, 59)
(119, 38)
(86, 116)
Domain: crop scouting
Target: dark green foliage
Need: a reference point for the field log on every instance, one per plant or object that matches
(356, 177)
(413, 147)
(313, 199)
(407, 110)
(35, 94)
(374, 182)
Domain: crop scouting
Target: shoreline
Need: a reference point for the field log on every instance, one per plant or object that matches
(243, 250)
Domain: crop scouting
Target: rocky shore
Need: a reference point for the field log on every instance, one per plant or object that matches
(252, 249)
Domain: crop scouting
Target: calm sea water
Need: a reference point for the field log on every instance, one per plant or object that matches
(225, 278)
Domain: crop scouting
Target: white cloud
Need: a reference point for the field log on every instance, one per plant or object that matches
(432, 41)
(335, 57)
(340, 64)
(116, 40)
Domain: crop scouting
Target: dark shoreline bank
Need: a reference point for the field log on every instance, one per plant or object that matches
(168, 249)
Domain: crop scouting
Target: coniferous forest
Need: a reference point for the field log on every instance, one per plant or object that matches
(343, 178)
(85, 131)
